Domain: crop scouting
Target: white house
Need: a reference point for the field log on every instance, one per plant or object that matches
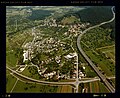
(25, 54)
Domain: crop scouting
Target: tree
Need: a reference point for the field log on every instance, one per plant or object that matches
(25, 88)
(82, 85)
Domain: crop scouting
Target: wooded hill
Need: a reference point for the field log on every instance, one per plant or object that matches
(95, 14)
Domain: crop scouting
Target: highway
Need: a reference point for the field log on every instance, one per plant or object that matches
(38, 81)
(77, 81)
(54, 83)
(102, 77)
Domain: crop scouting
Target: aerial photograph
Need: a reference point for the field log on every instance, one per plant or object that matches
(60, 49)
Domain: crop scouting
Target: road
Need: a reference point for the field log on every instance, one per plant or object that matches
(76, 83)
(102, 77)
(38, 81)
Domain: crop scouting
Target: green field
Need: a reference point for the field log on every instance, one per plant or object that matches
(33, 88)
(69, 20)
(97, 87)
(14, 48)
(53, 32)
(10, 81)
(100, 48)
(93, 87)
(102, 88)
(103, 63)
(109, 51)
(28, 87)
(11, 59)
(31, 71)
(89, 71)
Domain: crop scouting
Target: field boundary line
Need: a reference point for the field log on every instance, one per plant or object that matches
(14, 85)
(105, 47)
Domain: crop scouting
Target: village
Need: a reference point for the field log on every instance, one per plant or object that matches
(49, 45)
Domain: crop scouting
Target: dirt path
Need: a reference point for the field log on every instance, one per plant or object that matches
(105, 47)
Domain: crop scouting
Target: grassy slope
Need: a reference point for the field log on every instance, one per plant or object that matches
(69, 20)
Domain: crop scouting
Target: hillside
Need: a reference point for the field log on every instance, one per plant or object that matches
(111, 26)
(39, 14)
(95, 14)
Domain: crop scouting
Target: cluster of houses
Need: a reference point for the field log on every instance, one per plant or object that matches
(27, 52)
(50, 75)
(50, 44)
(76, 29)
(50, 22)
(27, 56)
(60, 75)
(81, 74)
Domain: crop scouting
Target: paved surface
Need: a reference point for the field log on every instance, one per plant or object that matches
(76, 83)
(102, 77)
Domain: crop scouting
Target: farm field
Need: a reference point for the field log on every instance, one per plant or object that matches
(34, 88)
(10, 81)
(64, 89)
(104, 63)
(108, 51)
(14, 48)
(31, 71)
(93, 87)
(11, 59)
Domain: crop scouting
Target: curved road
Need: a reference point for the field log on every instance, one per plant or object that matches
(38, 81)
(76, 83)
(102, 77)
(53, 83)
